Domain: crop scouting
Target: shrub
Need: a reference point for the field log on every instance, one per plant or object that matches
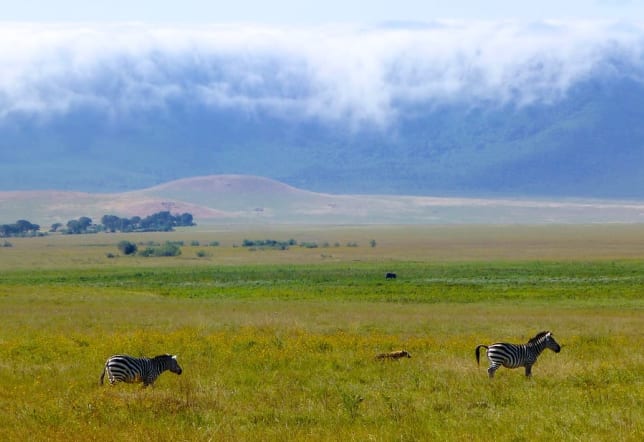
(167, 249)
(127, 247)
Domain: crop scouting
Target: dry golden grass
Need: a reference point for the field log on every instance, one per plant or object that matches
(393, 243)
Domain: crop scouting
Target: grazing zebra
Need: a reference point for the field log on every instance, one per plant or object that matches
(123, 368)
(518, 355)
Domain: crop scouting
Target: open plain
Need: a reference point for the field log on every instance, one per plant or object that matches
(280, 344)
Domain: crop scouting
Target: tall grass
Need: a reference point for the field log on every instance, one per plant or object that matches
(285, 351)
(305, 369)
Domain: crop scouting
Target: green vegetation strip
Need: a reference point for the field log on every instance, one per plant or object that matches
(611, 281)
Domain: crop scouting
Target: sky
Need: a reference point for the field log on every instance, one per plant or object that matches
(314, 12)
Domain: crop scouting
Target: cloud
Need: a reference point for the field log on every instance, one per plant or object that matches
(335, 73)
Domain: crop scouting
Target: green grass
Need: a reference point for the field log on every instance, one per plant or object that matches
(285, 350)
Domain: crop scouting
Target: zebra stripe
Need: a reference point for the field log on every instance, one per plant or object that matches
(518, 355)
(124, 368)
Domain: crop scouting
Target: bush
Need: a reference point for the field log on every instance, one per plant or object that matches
(168, 249)
(127, 247)
(267, 244)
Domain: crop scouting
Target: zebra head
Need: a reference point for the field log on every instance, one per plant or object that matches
(548, 341)
(170, 363)
(552, 344)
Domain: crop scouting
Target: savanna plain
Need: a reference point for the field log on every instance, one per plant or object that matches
(280, 344)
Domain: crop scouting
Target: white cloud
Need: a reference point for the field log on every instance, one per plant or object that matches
(330, 72)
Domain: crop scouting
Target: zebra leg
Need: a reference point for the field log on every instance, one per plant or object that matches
(492, 369)
(528, 370)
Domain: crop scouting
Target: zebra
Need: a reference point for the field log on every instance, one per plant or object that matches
(124, 368)
(518, 355)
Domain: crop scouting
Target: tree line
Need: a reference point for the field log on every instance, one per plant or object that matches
(158, 222)
(22, 227)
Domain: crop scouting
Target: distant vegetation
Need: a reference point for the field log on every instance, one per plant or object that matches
(170, 248)
(159, 222)
(268, 244)
(19, 228)
(259, 244)
(167, 249)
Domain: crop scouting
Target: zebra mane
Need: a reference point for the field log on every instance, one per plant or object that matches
(538, 336)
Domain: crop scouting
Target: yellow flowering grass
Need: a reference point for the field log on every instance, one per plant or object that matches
(305, 370)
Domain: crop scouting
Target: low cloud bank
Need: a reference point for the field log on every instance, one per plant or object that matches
(336, 73)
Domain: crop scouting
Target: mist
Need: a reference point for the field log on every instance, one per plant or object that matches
(331, 73)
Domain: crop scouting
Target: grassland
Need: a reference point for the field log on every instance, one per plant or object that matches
(280, 345)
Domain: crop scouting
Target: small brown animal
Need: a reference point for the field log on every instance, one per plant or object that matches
(393, 355)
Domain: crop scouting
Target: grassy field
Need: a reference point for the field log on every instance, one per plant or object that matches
(280, 345)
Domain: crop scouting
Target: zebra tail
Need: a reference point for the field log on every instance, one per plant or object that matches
(103, 374)
(478, 347)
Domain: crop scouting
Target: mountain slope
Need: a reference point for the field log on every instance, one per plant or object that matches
(589, 145)
(550, 109)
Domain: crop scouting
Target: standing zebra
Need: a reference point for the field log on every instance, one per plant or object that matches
(518, 355)
(123, 368)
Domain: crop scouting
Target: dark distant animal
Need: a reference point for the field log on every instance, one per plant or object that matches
(393, 355)
(390, 275)
(518, 355)
(123, 368)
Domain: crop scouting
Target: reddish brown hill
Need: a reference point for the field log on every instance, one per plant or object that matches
(248, 199)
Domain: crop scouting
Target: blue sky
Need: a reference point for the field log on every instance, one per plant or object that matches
(307, 12)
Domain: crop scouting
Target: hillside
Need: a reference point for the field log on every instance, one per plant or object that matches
(237, 199)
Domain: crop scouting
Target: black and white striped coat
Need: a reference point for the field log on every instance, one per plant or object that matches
(518, 355)
(124, 368)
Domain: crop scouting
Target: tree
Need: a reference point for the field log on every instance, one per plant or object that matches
(73, 226)
(21, 227)
(127, 247)
(185, 219)
(84, 222)
(112, 223)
